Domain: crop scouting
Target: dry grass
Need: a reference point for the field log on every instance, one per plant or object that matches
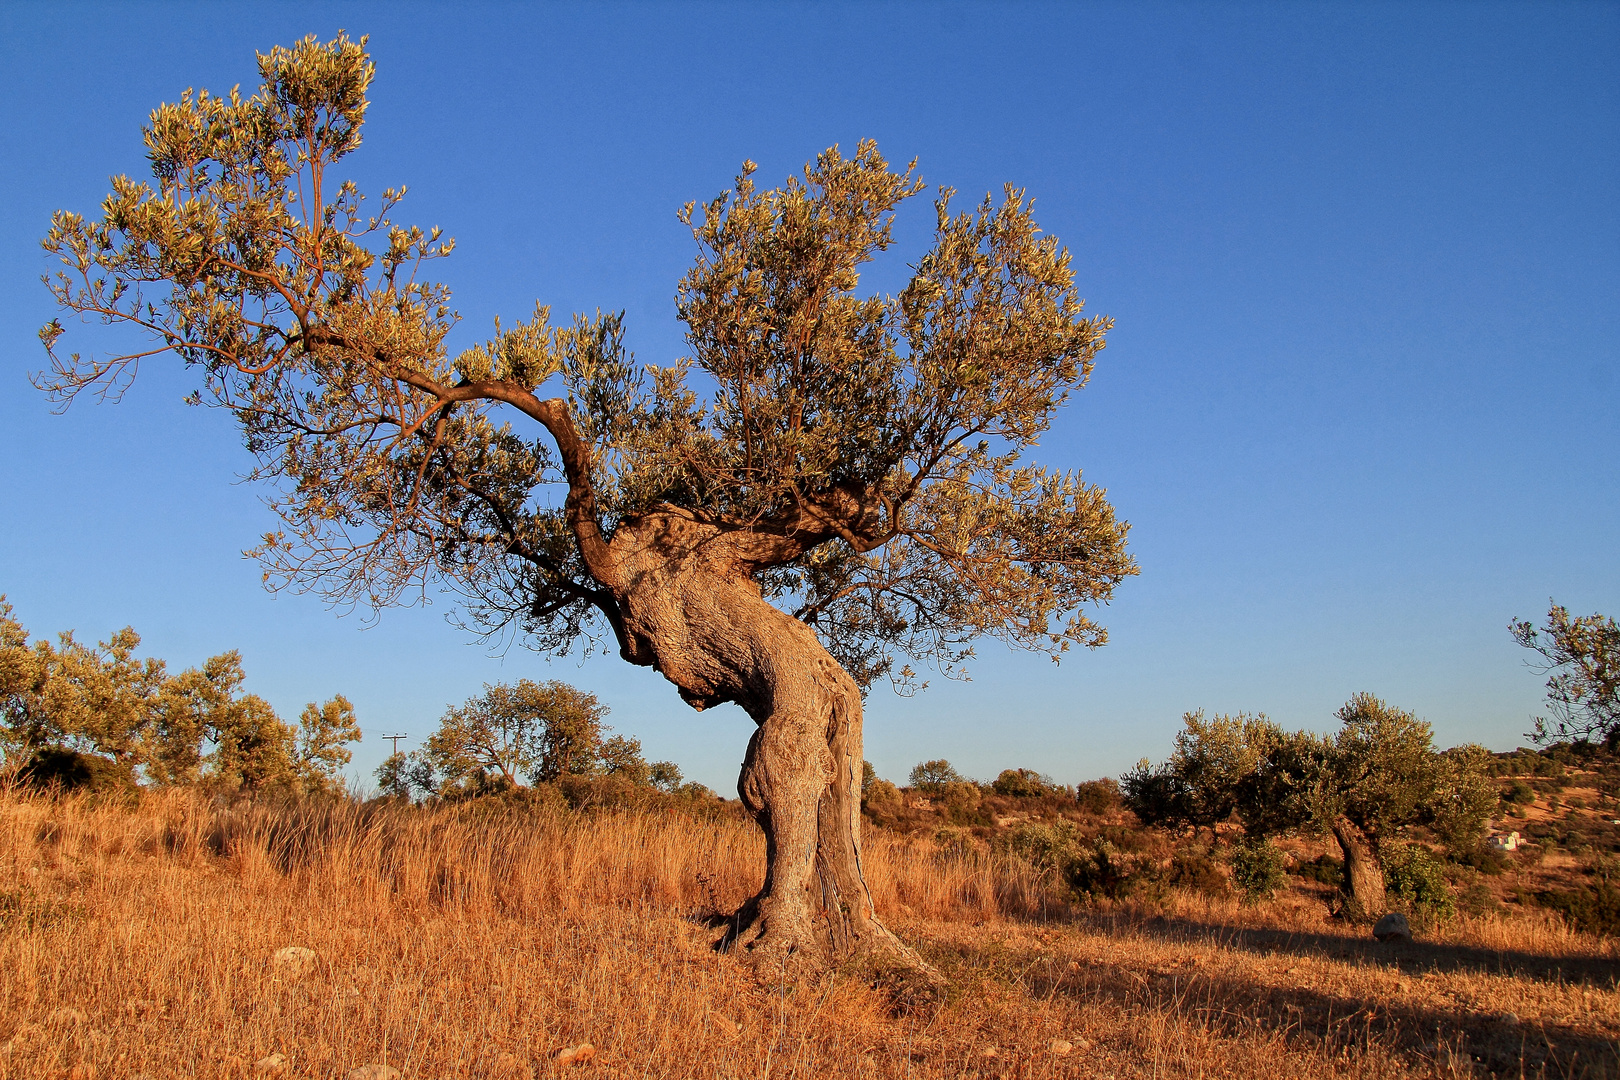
(139, 942)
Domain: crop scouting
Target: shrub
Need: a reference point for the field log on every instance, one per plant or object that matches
(70, 770)
(1417, 877)
(1257, 868)
(1518, 793)
(1195, 870)
(1099, 871)
(1482, 858)
(961, 799)
(1046, 847)
(1023, 784)
(879, 793)
(1476, 899)
(1593, 908)
(1323, 868)
(1098, 796)
(666, 776)
(1092, 870)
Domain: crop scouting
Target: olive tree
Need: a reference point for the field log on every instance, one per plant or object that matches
(1375, 779)
(71, 698)
(829, 482)
(1581, 658)
(526, 730)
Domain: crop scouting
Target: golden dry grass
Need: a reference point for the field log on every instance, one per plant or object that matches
(140, 942)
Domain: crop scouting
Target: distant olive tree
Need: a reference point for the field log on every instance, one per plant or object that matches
(525, 731)
(195, 727)
(1377, 778)
(930, 777)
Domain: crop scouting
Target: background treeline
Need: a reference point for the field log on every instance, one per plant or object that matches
(1368, 819)
(99, 717)
(535, 743)
(80, 715)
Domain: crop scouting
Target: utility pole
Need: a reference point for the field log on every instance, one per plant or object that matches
(394, 741)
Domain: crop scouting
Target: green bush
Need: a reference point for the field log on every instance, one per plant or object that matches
(1323, 868)
(880, 793)
(1518, 793)
(1416, 876)
(1023, 784)
(1046, 847)
(70, 770)
(1195, 870)
(1099, 871)
(1593, 908)
(1098, 796)
(1257, 868)
(961, 799)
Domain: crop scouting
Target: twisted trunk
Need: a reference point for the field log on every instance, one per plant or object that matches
(1363, 877)
(689, 607)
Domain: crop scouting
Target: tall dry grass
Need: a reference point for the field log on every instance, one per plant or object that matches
(139, 941)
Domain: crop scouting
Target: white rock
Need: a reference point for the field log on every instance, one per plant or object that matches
(66, 1017)
(1393, 927)
(1062, 1047)
(374, 1072)
(575, 1055)
(294, 959)
(274, 1065)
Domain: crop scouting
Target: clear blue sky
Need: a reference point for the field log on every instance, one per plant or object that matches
(1361, 406)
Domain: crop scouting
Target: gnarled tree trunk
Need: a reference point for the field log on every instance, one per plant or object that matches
(1363, 877)
(691, 608)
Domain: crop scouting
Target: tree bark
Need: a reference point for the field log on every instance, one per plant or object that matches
(691, 608)
(1363, 877)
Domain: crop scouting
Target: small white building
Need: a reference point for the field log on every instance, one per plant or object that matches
(1510, 842)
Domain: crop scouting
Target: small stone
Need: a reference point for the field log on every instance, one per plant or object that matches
(274, 1065)
(1393, 927)
(1062, 1047)
(294, 959)
(990, 1052)
(66, 1016)
(575, 1055)
(1509, 1019)
(511, 1067)
(374, 1072)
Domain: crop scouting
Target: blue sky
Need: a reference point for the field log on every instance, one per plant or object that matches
(1361, 405)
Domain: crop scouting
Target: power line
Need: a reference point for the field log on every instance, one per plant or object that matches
(394, 740)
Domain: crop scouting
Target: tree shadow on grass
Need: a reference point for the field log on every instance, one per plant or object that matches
(1320, 1018)
(1411, 957)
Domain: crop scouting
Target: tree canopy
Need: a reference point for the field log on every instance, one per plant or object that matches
(871, 444)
